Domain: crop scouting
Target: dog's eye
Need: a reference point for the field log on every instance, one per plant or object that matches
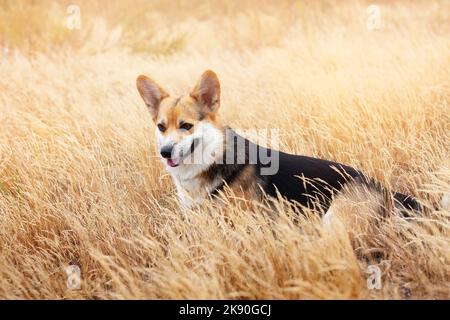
(161, 127)
(186, 126)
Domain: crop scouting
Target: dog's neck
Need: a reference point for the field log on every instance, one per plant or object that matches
(232, 162)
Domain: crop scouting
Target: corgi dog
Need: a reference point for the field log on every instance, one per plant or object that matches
(203, 155)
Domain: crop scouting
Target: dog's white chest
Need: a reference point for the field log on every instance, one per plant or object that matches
(191, 190)
(189, 194)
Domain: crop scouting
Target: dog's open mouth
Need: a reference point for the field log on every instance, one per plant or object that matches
(172, 163)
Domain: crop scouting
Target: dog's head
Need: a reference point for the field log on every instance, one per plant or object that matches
(187, 123)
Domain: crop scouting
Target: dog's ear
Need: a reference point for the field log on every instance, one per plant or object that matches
(151, 93)
(207, 91)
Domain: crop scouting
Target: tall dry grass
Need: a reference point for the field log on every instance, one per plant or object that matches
(81, 183)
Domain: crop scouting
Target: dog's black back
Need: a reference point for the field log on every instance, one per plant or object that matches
(312, 181)
(308, 181)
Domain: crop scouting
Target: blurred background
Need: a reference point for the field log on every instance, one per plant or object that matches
(365, 83)
(166, 27)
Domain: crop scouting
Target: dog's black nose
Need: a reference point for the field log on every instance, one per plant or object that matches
(166, 152)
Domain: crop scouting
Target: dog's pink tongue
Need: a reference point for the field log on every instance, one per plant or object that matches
(171, 163)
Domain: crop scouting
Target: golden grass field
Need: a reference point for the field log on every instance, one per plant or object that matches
(81, 182)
